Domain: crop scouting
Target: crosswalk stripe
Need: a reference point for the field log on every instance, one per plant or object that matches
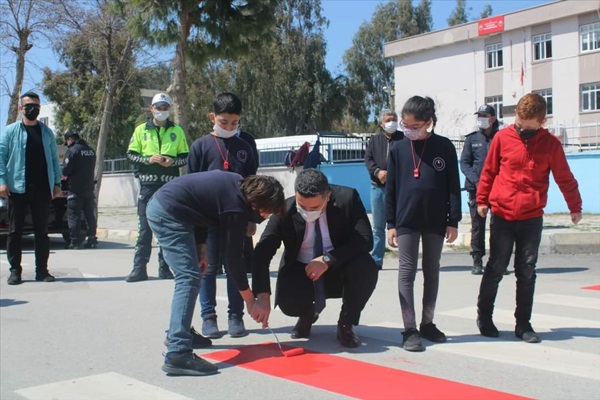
(539, 321)
(99, 387)
(535, 356)
(592, 303)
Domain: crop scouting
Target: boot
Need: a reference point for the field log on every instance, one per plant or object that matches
(137, 274)
(165, 273)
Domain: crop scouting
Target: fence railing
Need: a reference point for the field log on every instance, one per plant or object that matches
(117, 166)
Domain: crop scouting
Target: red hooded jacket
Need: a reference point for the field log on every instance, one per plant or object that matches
(515, 177)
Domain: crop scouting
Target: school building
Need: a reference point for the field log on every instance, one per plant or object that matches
(552, 49)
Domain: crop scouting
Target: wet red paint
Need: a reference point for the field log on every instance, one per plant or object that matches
(350, 377)
(595, 287)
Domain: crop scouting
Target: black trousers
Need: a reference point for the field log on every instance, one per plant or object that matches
(354, 282)
(525, 236)
(37, 199)
(76, 203)
(143, 245)
(477, 228)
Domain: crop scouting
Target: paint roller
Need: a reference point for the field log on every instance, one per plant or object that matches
(288, 353)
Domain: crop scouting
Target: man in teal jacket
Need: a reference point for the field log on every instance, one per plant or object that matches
(29, 177)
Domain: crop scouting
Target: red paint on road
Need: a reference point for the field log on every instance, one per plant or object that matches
(351, 377)
(595, 287)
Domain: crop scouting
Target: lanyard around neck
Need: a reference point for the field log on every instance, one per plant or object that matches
(417, 170)
(225, 157)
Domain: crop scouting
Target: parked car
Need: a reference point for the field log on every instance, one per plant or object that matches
(57, 219)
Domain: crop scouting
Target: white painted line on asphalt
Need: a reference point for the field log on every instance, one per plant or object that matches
(569, 301)
(111, 385)
(222, 298)
(537, 356)
(90, 276)
(540, 322)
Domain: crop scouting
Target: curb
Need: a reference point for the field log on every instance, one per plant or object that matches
(551, 243)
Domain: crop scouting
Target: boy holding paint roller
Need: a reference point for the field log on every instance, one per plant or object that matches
(327, 238)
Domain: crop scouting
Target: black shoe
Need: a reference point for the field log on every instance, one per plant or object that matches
(137, 275)
(14, 278)
(44, 277)
(411, 340)
(198, 341)
(346, 335)
(91, 244)
(487, 328)
(527, 334)
(432, 333)
(76, 246)
(188, 364)
(477, 270)
(303, 326)
(165, 273)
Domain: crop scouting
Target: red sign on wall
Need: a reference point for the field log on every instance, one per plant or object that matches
(490, 25)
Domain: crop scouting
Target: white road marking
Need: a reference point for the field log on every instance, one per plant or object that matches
(111, 385)
(569, 301)
(537, 356)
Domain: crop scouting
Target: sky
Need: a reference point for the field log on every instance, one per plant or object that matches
(345, 17)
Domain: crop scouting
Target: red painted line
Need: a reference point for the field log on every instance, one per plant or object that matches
(595, 287)
(350, 377)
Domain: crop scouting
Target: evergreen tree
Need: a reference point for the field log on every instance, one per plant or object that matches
(486, 12)
(459, 14)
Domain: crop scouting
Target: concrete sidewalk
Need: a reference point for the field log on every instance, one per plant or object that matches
(560, 236)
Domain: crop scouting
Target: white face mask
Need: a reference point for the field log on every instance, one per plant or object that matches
(160, 115)
(483, 123)
(224, 133)
(309, 216)
(390, 127)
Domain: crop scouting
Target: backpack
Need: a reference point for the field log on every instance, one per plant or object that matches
(294, 158)
(314, 157)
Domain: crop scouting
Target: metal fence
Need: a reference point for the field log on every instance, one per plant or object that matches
(340, 148)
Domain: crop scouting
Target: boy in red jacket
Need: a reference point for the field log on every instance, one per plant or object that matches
(514, 182)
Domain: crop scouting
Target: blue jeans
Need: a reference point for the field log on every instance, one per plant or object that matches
(208, 289)
(378, 214)
(179, 249)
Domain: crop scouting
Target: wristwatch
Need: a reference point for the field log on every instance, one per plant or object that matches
(327, 259)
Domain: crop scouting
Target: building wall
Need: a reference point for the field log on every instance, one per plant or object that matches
(450, 66)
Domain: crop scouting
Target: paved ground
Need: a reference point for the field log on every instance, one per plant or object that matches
(92, 336)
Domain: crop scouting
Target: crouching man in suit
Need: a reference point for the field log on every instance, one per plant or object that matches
(327, 239)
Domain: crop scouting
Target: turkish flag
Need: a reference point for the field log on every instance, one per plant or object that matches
(522, 74)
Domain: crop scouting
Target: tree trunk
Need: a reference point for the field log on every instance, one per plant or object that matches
(103, 134)
(178, 92)
(24, 47)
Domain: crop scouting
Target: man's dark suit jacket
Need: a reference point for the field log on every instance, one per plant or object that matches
(349, 230)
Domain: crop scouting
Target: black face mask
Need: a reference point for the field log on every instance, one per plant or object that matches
(31, 111)
(527, 133)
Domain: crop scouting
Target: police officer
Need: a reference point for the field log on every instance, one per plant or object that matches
(158, 148)
(78, 168)
(471, 163)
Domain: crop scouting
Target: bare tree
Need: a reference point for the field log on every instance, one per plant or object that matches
(22, 23)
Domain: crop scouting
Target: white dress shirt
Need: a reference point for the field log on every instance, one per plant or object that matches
(305, 255)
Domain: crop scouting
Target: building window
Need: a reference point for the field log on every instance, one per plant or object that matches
(590, 97)
(496, 102)
(44, 120)
(542, 46)
(589, 37)
(547, 95)
(494, 56)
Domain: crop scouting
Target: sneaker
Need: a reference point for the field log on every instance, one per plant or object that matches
(44, 277)
(411, 340)
(198, 341)
(432, 333)
(14, 278)
(165, 273)
(527, 334)
(188, 364)
(487, 328)
(235, 327)
(477, 270)
(210, 328)
(76, 246)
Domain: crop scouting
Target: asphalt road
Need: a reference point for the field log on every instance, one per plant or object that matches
(90, 335)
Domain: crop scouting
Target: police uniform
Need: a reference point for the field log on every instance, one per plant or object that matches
(147, 140)
(78, 168)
